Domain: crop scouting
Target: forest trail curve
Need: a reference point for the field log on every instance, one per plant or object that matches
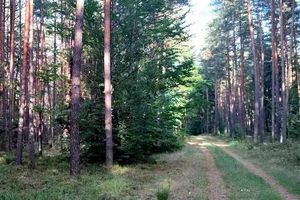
(285, 194)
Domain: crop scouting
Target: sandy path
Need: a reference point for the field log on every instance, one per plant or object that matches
(256, 170)
(215, 182)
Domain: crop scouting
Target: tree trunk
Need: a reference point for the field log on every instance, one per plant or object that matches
(293, 45)
(11, 91)
(2, 58)
(242, 111)
(207, 110)
(53, 98)
(256, 75)
(235, 104)
(42, 58)
(216, 110)
(75, 98)
(31, 93)
(275, 90)
(108, 86)
(290, 60)
(283, 134)
(23, 83)
(2, 34)
(261, 78)
(5, 81)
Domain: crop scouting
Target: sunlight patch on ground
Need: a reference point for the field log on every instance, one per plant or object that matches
(118, 170)
(221, 145)
(206, 141)
(2, 160)
(202, 144)
(167, 183)
(181, 174)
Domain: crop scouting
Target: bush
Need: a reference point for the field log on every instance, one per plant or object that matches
(134, 141)
(294, 126)
(163, 193)
(139, 146)
(6, 158)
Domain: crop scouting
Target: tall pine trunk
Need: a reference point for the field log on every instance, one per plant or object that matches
(261, 79)
(75, 96)
(5, 91)
(242, 110)
(31, 93)
(235, 90)
(216, 108)
(23, 87)
(275, 84)
(256, 74)
(42, 58)
(284, 98)
(11, 91)
(108, 85)
(2, 58)
(293, 66)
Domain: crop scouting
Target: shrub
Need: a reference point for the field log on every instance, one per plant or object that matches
(163, 193)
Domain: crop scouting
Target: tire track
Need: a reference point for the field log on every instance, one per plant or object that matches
(285, 194)
(216, 185)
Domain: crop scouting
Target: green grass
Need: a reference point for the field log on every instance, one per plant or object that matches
(280, 160)
(240, 183)
(55, 183)
(177, 175)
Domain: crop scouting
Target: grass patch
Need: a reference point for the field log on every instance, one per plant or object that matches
(240, 183)
(182, 171)
(24, 184)
(6, 158)
(163, 193)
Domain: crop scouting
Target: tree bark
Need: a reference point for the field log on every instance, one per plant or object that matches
(242, 110)
(216, 110)
(75, 98)
(11, 94)
(5, 81)
(23, 83)
(256, 75)
(40, 86)
(235, 92)
(275, 90)
(108, 85)
(261, 80)
(292, 66)
(31, 94)
(283, 134)
(207, 110)
(2, 59)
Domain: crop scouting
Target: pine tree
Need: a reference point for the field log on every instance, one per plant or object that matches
(75, 93)
(108, 85)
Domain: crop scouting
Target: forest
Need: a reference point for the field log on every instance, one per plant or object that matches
(111, 100)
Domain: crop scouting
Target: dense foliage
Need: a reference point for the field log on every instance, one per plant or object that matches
(147, 44)
(153, 73)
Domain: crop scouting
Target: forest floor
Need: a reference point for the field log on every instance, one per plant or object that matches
(180, 175)
(207, 168)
